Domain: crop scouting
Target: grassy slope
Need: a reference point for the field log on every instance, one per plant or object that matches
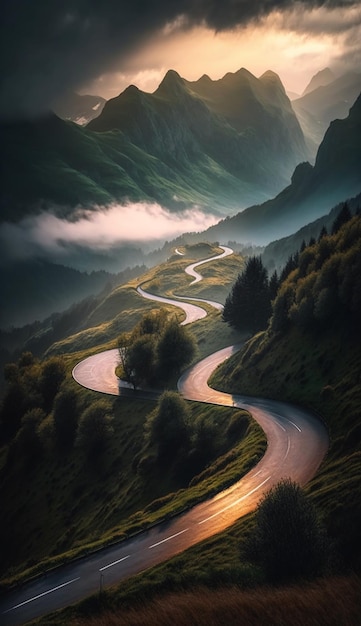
(327, 366)
(323, 372)
(123, 307)
(68, 503)
(332, 603)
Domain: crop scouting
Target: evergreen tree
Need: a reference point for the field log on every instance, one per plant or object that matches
(273, 285)
(248, 306)
(323, 233)
(291, 265)
(302, 246)
(341, 219)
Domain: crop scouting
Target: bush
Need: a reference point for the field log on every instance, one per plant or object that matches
(167, 426)
(27, 439)
(289, 541)
(237, 426)
(176, 348)
(95, 428)
(65, 417)
(52, 375)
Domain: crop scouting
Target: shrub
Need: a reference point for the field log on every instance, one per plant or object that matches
(289, 541)
(95, 428)
(65, 417)
(237, 426)
(167, 425)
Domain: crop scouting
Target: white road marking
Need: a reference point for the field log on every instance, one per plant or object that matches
(288, 448)
(295, 425)
(168, 538)
(41, 595)
(114, 563)
(236, 502)
(280, 425)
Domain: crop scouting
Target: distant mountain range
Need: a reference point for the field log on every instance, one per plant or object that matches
(335, 176)
(79, 109)
(220, 145)
(321, 79)
(325, 99)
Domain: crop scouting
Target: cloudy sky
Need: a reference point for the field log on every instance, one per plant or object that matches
(102, 46)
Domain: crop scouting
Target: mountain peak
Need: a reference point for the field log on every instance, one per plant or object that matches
(271, 78)
(270, 75)
(171, 83)
(321, 79)
(204, 79)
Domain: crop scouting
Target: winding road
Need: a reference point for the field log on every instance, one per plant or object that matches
(297, 443)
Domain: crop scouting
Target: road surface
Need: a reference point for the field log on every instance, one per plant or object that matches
(191, 269)
(297, 443)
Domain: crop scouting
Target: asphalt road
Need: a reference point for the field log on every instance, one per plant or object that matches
(191, 269)
(297, 443)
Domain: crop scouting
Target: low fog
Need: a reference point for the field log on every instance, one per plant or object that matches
(97, 233)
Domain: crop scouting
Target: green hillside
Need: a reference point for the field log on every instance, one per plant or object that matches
(311, 354)
(71, 503)
(173, 147)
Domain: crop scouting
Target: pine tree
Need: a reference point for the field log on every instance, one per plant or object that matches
(248, 306)
(341, 219)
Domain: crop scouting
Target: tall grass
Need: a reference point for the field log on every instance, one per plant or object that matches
(327, 602)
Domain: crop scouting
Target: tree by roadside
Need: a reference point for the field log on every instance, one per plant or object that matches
(289, 542)
(155, 350)
(175, 349)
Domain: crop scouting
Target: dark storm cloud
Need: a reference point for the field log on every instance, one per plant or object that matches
(51, 45)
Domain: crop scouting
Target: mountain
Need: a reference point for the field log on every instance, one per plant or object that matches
(335, 176)
(277, 253)
(32, 290)
(219, 145)
(316, 109)
(321, 79)
(239, 124)
(79, 109)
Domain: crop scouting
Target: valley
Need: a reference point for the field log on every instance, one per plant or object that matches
(300, 432)
(104, 289)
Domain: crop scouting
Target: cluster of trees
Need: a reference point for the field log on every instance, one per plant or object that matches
(324, 286)
(184, 446)
(321, 282)
(155, 350)
(40, 405)
(30, 385)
